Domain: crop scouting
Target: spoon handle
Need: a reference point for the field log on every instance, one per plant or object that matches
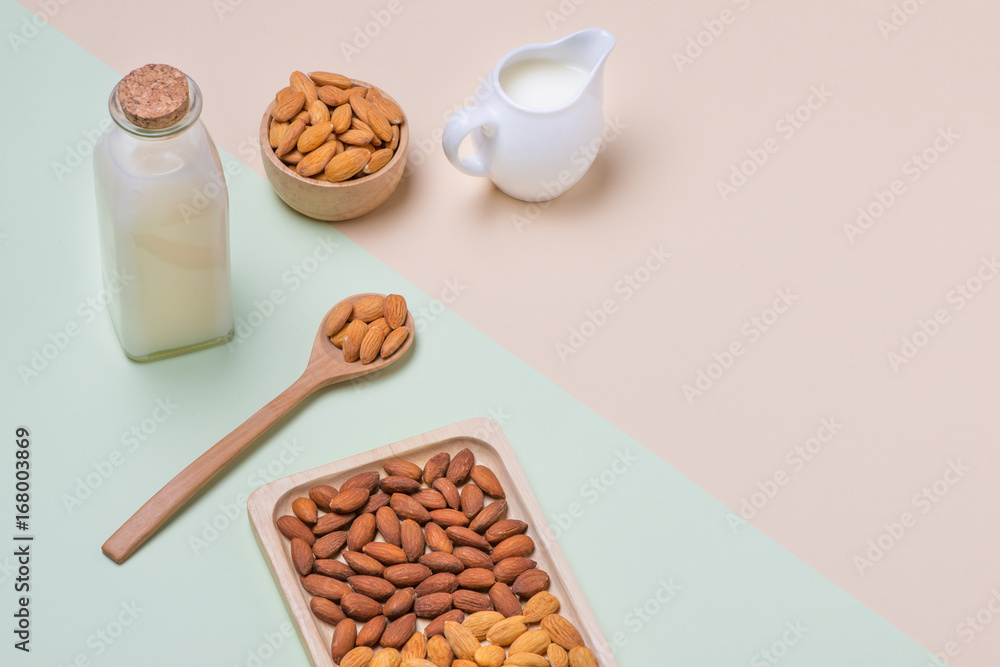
(189, 481)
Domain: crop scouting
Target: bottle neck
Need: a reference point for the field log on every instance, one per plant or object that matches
(189, 119)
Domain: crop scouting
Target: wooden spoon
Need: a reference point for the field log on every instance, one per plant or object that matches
(326, 366)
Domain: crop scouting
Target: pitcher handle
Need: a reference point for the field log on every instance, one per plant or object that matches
(458, 127)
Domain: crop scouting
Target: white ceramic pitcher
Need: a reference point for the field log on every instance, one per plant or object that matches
(538, 120)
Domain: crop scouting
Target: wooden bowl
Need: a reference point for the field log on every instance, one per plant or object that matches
(333, 201)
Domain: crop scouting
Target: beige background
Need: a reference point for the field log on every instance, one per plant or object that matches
(656, 185)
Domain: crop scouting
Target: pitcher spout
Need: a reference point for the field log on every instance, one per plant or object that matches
(592, 47)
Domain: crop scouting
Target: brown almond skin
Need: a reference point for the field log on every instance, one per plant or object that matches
(385, 553)
(472, 500)
(399, 484)
(470, 601)
(488, 516)
(330, 544)
(403, 468)
(430, 499)
(464, 537)
(326, 610)
(325, 587)
(503, 529)
(487, 480)
(518, 545)
(509, 569)
(442, 582)
(322, 495)
(432, 605)
(408, 574)
(399, 631)
(333, 568)
(305, 509)
(460, 466)
(530, 582)
(400, 603)
(504, 600)
(439, 561)
(376, 588)
(349, 500)
(436, 466)
(360, 607)
(449, 517)
(371, 632)
(329, 523)
(362, 532)
(472, 557)
(437, 539)
(344, 636)
(408, 508)
(436, 627)
(363, 564)
(291, 527)
(364, 480)
(376, 501)
(412, 539)
(476, 578)
(446, 488)
(388, 525)
(302, 556)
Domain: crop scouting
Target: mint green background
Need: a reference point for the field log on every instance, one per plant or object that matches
(738, 588)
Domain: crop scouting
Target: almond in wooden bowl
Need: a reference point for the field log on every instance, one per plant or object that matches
(313, 170)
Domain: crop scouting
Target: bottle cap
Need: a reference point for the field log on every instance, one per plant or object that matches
(154, 96)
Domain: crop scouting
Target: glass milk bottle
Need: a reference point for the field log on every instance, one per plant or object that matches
(163, 216)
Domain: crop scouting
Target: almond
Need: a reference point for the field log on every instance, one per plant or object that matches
(371, 632)
(486, 479)
(557, 655)
(532, 641)
(359, 607)
(325, 587)
(526, 660)
(332, 96)
(444, 486)
(376, 501)
(467, 538)
(376, 588)
(464, 663)
(508, 569)
(472, 500)
(476, 578)
(388, 525)
(312, 138)
(400, 603)
(362, 532)
(397, 483)
(378, 159)
(395, 311)
(288, 106)
(461, 466)
(388, 107)
(490, 656)
(503, 633)
(430, 499)
(299, 82)
(344, 636)
(329, 523)
(330, 79)
(363, 480)
(441, 561)
(275, 131)
(333, 568)
(369, 308)
(415, 647)
(393, 341)
(305, 509)
(449, 517)
(439, 651)
(358, 124)
(341, 118)
(407, 574)
(503, 529)
(292, 527)
(344, 165)
(539, 606)
(387, 657)
(437, 539)
(361, 107)
(442, 582)
(408, 508)
(411, 539)
(385, 553)
(371, 346)
(283, 93)
(326, 610)
(432, 605)
(364, 564)
(416, 662)
(356, 330)
(399, 631)
(488, 516)
(349, 500)
(290, 138)
(504, 600)
(318, 112)
(338, 317)
(481, 622)
(360, 656)
(435, 467)
(581, 656)
(400, 468)
(357, 90)
(379, 123)
(463, 643)
(292, 157)
(515, 546)
(436, 627)
(338, 338)
(302, 556)
(529, 583)
(562, 632)
(394, 143)
(472, 557)
(356, 138)
(470, 601)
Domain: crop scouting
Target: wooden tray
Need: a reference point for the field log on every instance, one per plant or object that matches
(491, 448)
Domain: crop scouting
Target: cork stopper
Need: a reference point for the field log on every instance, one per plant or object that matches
(154, 96)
